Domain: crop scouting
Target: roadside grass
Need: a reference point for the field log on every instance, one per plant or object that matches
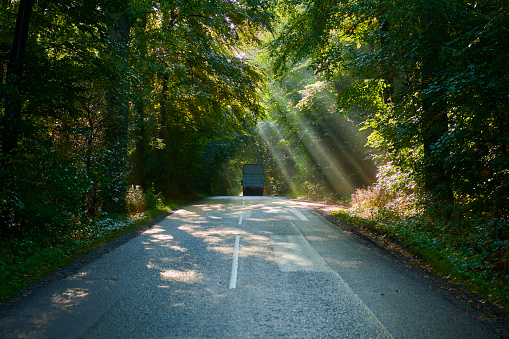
(24, 261)
(467, 250)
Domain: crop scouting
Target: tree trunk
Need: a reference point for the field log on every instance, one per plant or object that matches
(164, 157)
(434, 123)
(139, 178)
(116, 124)
(387, 77)
(14, 76)
(11, 128)
(5, 48)
(139, 158)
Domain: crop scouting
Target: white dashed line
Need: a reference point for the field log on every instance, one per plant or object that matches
(242, 212)
(235, 264)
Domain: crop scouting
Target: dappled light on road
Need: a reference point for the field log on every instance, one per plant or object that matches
(69, 298)
(157, 236)
(186, 276)
(258, 242)
(256, 267)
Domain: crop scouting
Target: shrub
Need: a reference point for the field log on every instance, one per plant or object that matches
(392, 196)
(466, 244)
(135, 200)
(140, 202)
(153, 200)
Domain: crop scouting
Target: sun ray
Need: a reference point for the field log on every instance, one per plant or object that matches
(267, 132)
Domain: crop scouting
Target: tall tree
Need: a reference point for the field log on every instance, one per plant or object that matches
(13, 108)
(99, 83)
(205, 89)
(116, 121)
(433, 55)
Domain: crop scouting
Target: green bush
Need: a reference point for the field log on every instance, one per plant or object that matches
(139, 201)
(392, 197)
(135, 200)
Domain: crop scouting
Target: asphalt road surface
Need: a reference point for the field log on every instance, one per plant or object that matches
(242, 267)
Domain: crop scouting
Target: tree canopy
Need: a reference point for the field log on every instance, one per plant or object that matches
(429, 77)
(98, 96)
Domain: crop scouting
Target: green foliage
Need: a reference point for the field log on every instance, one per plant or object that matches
(112, 94)
(204, 92)
(426, 76)
(46, 195)
(308, 150)
(391, 198)
(135, 200)
(429, 78)
(25, 260)
(115, 104)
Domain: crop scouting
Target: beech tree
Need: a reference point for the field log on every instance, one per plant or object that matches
(426, 76)
(113, 93)
(203, 89)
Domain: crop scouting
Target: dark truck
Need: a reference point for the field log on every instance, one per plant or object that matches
(253, 176)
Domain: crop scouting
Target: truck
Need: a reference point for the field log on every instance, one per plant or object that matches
(253, 178)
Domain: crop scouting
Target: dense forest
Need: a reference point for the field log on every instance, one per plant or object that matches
(398, 106)
(103, 97)
(428, 77)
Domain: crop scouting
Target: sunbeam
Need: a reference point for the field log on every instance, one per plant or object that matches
(324, 158)
(270, 133)
(317, 154)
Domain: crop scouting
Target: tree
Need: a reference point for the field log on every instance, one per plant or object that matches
(310, 150)
(14, 78)
(431, 58)
(39, 98)
(113, 91)
(203, 88)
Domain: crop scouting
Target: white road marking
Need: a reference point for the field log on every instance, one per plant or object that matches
(298, 213)
(235, 264)
(242, 212)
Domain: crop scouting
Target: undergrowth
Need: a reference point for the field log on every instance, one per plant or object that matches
(468, 247)
(26, 259)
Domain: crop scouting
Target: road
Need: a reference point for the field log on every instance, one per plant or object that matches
(242, 267)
